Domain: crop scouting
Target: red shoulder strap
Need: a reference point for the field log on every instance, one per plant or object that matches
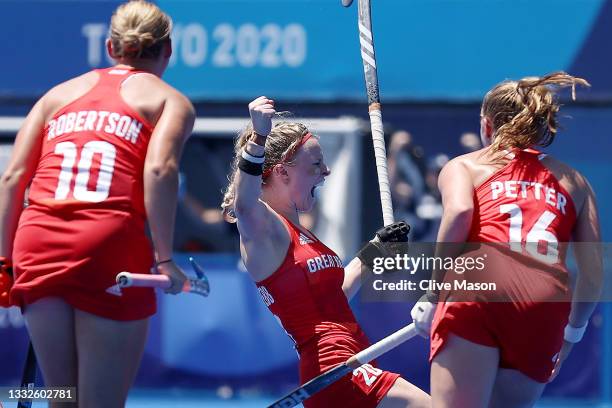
(294, 231)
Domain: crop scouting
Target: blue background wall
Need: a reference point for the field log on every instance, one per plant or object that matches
(308, 49)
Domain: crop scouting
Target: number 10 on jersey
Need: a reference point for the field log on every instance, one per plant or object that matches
(70, 151)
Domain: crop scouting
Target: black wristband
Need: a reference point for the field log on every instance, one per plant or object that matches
(368, 253)
(254, 169)
(163, 262)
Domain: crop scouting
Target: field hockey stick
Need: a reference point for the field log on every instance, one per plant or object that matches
(198, 285)
(29, 376)
(329, 377)
(368, 56)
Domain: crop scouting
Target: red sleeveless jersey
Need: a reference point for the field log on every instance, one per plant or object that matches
(85, 221)
(305, 292)
(305, 295)
(93, 152)
(525, 205)
(525, 211)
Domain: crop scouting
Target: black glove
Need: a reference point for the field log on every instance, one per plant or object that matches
(379, 246)
(396, 232)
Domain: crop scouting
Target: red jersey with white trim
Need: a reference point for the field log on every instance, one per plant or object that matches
(85, 221)
(305, 292)
(93, 152)
(524, 203)
(524, 207)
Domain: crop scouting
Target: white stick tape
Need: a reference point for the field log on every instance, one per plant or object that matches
(380, 154)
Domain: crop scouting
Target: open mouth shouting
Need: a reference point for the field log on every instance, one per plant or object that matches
(319, 184)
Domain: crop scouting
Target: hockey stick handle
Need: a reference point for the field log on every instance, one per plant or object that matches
(198, 285)
(329, 377)
(127, 279)
(380, 155)
(382, 346)
(368, 57)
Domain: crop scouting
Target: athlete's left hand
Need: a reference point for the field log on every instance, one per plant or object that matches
(386, 243)
(396, 232)
(565, 350)
(176, 275)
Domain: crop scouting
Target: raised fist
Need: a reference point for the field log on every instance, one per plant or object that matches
(262, 111)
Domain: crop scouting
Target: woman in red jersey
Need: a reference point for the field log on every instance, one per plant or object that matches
(502, 354)
(100, 155)
(302, 281)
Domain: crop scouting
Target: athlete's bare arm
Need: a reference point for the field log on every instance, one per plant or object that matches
(264, 238)
(456, 187)
(254, 216)
(18, 174)
(588, 252)
(587, 236)
(587, 249)
(161, 166)
(352, 278)
(26, 151)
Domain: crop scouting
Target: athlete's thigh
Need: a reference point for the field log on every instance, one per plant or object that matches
(109, 356)
(463, 374)
(514, 389)
(405, 395)
(50, 323)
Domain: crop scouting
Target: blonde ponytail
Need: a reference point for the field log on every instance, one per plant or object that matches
(524, 113)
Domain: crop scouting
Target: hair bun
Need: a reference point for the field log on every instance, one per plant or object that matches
(130, 41)
(138, 29)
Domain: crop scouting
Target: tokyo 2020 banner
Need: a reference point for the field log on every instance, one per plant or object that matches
(228, 50)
